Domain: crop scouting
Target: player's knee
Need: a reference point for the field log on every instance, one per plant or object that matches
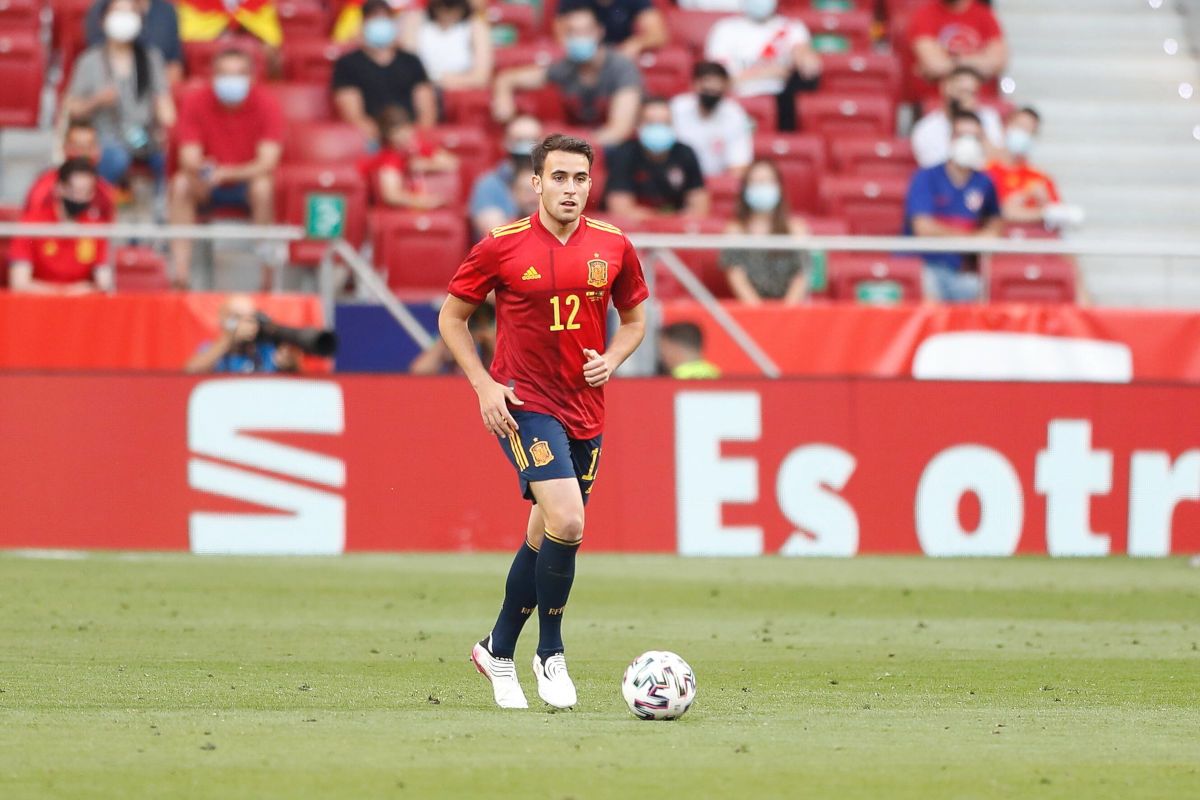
(568, 526)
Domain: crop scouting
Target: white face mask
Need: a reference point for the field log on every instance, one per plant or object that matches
(1019, 142)
(123, 26)
(967, 152)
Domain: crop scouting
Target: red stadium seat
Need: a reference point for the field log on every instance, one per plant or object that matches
(827, 226)
(303, 102)
(7, 214)
(801, 160)
(470, 108)
(137, 268)
(873, 156)
(302, 19)
(20, 16)
(198, 56)
(520, 17)
(294, 183)
(446, 185)
(311, 60)
(545, 103)
(418, 249)
(704, 264)
(323, 142)
(836, 32)
(723, 192)
(690, 28)
(872, 206)
(22, 74)
(833, 115)
(1031, 279)
(855, 276)
(861, 73)
(542, 52)
(666, 72)
(763, 111)
(67, 31)
(475, 149)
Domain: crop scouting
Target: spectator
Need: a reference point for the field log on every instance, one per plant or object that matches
(379, 74)
(230, 137)
(1024, 192)
(681, 352)
(453, 43)
(655, 173)
(63, 266)
(954, 199)
(601, 87)
(757, 275)
(395, 171)
(766, 54)
(160, 30)
(205, 20)
(960, 92)
(493, 201)
(712, 124)
(630, 26)
(437, 359)
(944, 34)
(122, 87)
(238, 347)
(80, 141)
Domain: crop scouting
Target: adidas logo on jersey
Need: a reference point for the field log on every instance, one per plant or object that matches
(531, 274)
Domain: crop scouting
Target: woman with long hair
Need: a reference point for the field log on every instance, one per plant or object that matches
(762, 209)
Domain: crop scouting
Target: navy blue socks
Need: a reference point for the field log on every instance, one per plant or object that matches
(520, 598)
(554, 575)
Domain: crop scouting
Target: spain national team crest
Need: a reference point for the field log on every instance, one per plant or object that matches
(541, 452)
(598, 272)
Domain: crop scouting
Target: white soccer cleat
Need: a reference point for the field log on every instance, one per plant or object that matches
(501, 672)
(553, 682)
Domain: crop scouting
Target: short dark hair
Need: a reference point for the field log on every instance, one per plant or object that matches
(80, 124)
(963, 69)
(575, 8)
(1031, 111)
(709, 69)
(234, 51)
(391, 117)
(460, 6)
(372, 7)
(962, 115)
(75, 166)
(557, 142)
(687, 334)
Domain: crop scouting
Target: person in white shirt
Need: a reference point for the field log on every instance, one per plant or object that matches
(960, 92)
(765, 54)
(453, 43)
(712, 124)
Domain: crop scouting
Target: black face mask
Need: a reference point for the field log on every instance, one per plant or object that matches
(708, 100)
(74, 208)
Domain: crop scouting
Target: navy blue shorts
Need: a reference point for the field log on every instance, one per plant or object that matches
(229, 195)
(541, 451)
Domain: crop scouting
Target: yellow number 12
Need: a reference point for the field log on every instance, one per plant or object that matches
(572, 303)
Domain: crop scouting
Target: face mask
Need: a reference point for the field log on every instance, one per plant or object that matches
(522, 147)
(708, 100)
(581, 48)
(74, 208)
(379, 32)
(967, 152)
(656, 137)
(231, 89)
(123, 26)
(759, 10)
(762, 196)
(1019, 141)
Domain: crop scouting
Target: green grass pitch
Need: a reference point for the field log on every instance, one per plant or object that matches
(175, 676)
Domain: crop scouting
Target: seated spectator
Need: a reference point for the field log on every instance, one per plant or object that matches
(944, 34)
(630, 26)
(960, 92)
(681, 352)
(493, 201)
(713, 124)
(230, 137)
(437, 358)
(762, 210)
(655, 173)
(238, 347)
(601, 87)
(394, 173)
(1024, 192)
(160, 30)
(121, 86)
(80, 141)
(766, 54)
(63, 266)
(954, 199)
(453, 43)
(379, 74)
(205, 20)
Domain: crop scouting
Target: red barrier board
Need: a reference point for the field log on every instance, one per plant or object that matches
(814, 467)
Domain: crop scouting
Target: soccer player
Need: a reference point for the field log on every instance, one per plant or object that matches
(554, 274)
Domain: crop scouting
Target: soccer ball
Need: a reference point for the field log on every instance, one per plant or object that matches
(658, 685)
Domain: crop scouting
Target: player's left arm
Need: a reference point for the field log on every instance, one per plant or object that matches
(600, 367)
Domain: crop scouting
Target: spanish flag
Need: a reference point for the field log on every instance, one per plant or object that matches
(349, 21)
(205, 20)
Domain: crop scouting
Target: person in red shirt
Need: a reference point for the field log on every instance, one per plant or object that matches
(230, 138)
(395, 173)
(944, 34)
(1024, 191)
(554, 274)
(63, 266)
(79, 141)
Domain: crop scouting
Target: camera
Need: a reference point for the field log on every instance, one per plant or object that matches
(312, 341)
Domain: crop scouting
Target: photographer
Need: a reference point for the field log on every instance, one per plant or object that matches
(241, 347)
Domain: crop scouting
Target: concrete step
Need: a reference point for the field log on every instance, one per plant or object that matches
(1008, 8)
(1098, 163)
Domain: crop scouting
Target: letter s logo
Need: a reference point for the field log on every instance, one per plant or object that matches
(221, 413)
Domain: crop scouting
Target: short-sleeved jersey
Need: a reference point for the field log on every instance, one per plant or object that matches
(60, 260)
(551, 303)
(968, 207)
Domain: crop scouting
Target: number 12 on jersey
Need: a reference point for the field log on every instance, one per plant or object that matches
(572, 303)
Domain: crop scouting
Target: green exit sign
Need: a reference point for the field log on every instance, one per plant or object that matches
(324, 216)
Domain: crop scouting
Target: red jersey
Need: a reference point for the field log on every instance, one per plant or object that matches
(1020, 177)
(398, 160)
(60, 260)
(551, 303)
(41, 193)
(961, 33)
(230, 135)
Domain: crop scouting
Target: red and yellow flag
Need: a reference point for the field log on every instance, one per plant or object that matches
(205, 20)
(349, 21)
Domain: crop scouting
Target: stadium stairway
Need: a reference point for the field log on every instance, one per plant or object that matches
(1117, 131)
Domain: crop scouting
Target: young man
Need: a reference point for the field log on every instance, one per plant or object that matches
(655, 173)
(1024, 191)
(554, 274)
